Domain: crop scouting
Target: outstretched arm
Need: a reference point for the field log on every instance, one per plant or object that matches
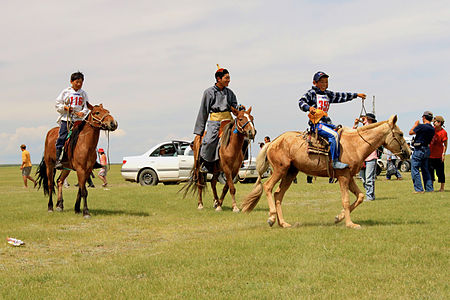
(412, 132)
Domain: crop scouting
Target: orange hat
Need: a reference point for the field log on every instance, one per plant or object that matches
(100, 150)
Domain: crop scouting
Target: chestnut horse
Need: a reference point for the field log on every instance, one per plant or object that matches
(287, 155)
(80, 157)
(230, 159)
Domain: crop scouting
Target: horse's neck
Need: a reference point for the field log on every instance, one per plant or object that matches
(369, 139)
(236, 140)
(90, 135)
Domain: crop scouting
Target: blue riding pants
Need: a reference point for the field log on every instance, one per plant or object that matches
(62, 135)
(327, 131)
(419, 159)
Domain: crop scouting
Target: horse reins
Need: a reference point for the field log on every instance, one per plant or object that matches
(402, 152)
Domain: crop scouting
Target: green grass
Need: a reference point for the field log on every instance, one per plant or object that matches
(149, 242)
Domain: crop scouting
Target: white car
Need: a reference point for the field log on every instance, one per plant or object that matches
(166, 162)
(171, 162)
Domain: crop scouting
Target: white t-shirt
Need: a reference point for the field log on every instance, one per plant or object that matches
(77, 100)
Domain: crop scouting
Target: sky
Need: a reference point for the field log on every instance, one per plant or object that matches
(148, 63)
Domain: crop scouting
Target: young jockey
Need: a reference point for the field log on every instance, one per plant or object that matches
(71, 104)
(216, 103)
(318, 97)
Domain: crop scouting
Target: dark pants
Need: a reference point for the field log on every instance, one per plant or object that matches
(62, 135)
(438, 165)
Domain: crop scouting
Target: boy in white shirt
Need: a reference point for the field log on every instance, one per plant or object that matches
(71, 104)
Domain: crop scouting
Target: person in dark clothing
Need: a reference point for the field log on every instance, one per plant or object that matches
(423, 135)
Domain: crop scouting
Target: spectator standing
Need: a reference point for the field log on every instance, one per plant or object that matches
(438, 147)
(26, 166)
(392, 166)
(369, 169)
(103, 171)
(424, 134)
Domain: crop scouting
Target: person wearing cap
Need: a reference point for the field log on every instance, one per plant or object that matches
(216, 105)
(26, 166)
(424, 133)
(103, 171)
(438, 147)
(369, 169)
(319, 97)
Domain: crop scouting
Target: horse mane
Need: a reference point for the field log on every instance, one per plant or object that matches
(362, 128)
(225, 139)
(74, 137)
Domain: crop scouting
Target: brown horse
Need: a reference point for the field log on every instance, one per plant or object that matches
(287, 155)
(230, 159)
(80, 156)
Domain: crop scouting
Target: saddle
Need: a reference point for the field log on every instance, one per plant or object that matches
(316, 143)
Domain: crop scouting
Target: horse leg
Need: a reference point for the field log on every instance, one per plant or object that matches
(359, 199)
(78, 201)
(60, 202)
(222, 197)
(201, 182)
(268, 187)
(286, 182)
(50, 187)
(214, 190)
(84, 194)
(344, 181)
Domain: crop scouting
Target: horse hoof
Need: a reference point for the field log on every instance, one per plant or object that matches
(50, 211)
(59, 209)
(354, 226)
(270, 222)
(285, 225)
(216, 203)
(200, 207)
(337, 219)
(219, 208)
(87, 216)
(235, 209)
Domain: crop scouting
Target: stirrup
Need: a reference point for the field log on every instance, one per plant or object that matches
(58, 165)
(339, 165)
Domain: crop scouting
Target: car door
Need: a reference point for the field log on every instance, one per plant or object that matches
(186, 162)
(166, 162)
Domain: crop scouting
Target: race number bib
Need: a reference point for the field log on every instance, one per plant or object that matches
(75, 101)
(323, 102)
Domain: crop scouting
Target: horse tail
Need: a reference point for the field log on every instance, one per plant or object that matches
(194, 180)
(262, 164)
(42, 178)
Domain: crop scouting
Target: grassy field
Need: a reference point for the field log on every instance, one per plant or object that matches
(149, 242)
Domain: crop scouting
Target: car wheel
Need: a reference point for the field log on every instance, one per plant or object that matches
(405, 166)
(148, 177)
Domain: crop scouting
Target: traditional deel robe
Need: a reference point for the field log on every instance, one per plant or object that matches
(216, 104)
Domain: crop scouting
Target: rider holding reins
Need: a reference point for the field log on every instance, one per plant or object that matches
(216, 104)
(71, 104)
(319, 98)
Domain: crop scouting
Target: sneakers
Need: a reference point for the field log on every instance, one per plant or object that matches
(339, 165)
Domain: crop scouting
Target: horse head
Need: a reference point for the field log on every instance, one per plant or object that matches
(244, 122)
(395, 141)
(100, 118)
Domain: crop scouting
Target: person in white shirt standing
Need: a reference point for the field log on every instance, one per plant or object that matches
(71, 104)
(369, 170)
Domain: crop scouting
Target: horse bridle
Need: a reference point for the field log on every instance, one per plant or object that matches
(97, 120)
(241, 128)
(402, 152)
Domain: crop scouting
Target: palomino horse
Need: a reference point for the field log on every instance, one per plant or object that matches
(81, 157)
(230, 159)
(287, 155)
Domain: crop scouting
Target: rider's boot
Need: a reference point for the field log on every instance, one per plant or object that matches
(339, 165)
(204, 167)
(58, 165)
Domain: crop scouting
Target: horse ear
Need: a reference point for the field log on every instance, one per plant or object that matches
(393, 120)
(234, 111)
(89, 106)
(101, 105)
(249, 110)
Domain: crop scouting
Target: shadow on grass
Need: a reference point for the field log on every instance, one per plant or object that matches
(363, 223)
(106, 212)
